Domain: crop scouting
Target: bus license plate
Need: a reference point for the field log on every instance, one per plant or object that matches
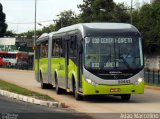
(124, 81)
(115, 90)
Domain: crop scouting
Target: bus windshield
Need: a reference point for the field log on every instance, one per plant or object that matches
(113, 52)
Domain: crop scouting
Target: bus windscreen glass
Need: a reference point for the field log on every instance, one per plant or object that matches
(110, 53)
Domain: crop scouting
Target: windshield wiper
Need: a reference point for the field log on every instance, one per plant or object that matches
(125, 62)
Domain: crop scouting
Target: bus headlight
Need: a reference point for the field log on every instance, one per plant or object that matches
(91, 82)
(139, 80)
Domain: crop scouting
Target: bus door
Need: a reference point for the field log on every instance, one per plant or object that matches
(75, 61)
(66, 62)
(36, 63)
(79, 65)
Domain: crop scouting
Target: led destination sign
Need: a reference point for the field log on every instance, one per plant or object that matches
(110, 40)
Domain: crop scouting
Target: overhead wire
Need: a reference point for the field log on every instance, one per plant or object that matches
(28, 22)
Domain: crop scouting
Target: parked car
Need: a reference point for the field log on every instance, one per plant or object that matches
(22, 64)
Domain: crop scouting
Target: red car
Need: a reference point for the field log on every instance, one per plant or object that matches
(2, 63)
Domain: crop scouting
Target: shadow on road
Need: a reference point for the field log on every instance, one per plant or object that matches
(135, 98)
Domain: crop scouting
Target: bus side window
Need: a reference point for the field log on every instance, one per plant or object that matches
(44, 49)
(53, 42)
(58, 48)
(55, 49)
(72, 49)
(61, 54)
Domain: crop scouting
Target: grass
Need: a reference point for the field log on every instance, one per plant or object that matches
(151, 84)
(19, 90)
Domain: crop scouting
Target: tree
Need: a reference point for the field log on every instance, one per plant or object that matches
(10, 33)
(103, 11)
(147, 20)
(3, 25)
(86, 11)
(121, 13)
(66, 18)
(46, 29)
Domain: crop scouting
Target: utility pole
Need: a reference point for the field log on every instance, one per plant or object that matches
(35, 22)
(35, 32)
(131, 10)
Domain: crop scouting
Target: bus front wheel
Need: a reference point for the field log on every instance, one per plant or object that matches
(126, 97)
(76, 94)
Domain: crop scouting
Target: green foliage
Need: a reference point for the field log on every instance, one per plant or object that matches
(86, 11)
(3, 25)
(10, 33)
(103, 11)
(30, 34)
(19, 90)
(66, 18)
(147, 20)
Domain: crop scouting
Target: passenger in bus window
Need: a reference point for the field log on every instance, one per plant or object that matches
(56, 50)
(61, 51)
(46, 50)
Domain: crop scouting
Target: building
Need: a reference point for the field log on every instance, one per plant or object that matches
(17, 49)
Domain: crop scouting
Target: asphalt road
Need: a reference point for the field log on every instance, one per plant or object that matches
(21, 110)
(145, 103)
(8, 105)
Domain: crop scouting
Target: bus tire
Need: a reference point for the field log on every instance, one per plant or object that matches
(126, 97)
(50, 86)
(76, 94)
(58, 89)
(43, 85)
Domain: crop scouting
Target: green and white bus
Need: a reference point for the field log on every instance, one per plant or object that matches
(92, 59)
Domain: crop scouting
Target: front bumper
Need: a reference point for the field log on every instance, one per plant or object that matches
(89, 89)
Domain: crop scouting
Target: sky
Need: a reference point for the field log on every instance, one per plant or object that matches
(20, 13)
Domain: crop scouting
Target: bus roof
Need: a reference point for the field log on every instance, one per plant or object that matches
(87, 27)
(84, 27)
(97, 26)
(42, 37)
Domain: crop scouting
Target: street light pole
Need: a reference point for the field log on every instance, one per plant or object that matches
(35, 22)
(35, 19)
(131, 10)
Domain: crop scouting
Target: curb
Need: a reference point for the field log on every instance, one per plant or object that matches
(152, 87)
(17, 70)
(31, 100)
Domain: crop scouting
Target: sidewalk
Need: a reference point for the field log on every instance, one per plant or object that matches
(152, 87)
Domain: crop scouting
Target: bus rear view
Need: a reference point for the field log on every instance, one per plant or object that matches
(113, 60)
